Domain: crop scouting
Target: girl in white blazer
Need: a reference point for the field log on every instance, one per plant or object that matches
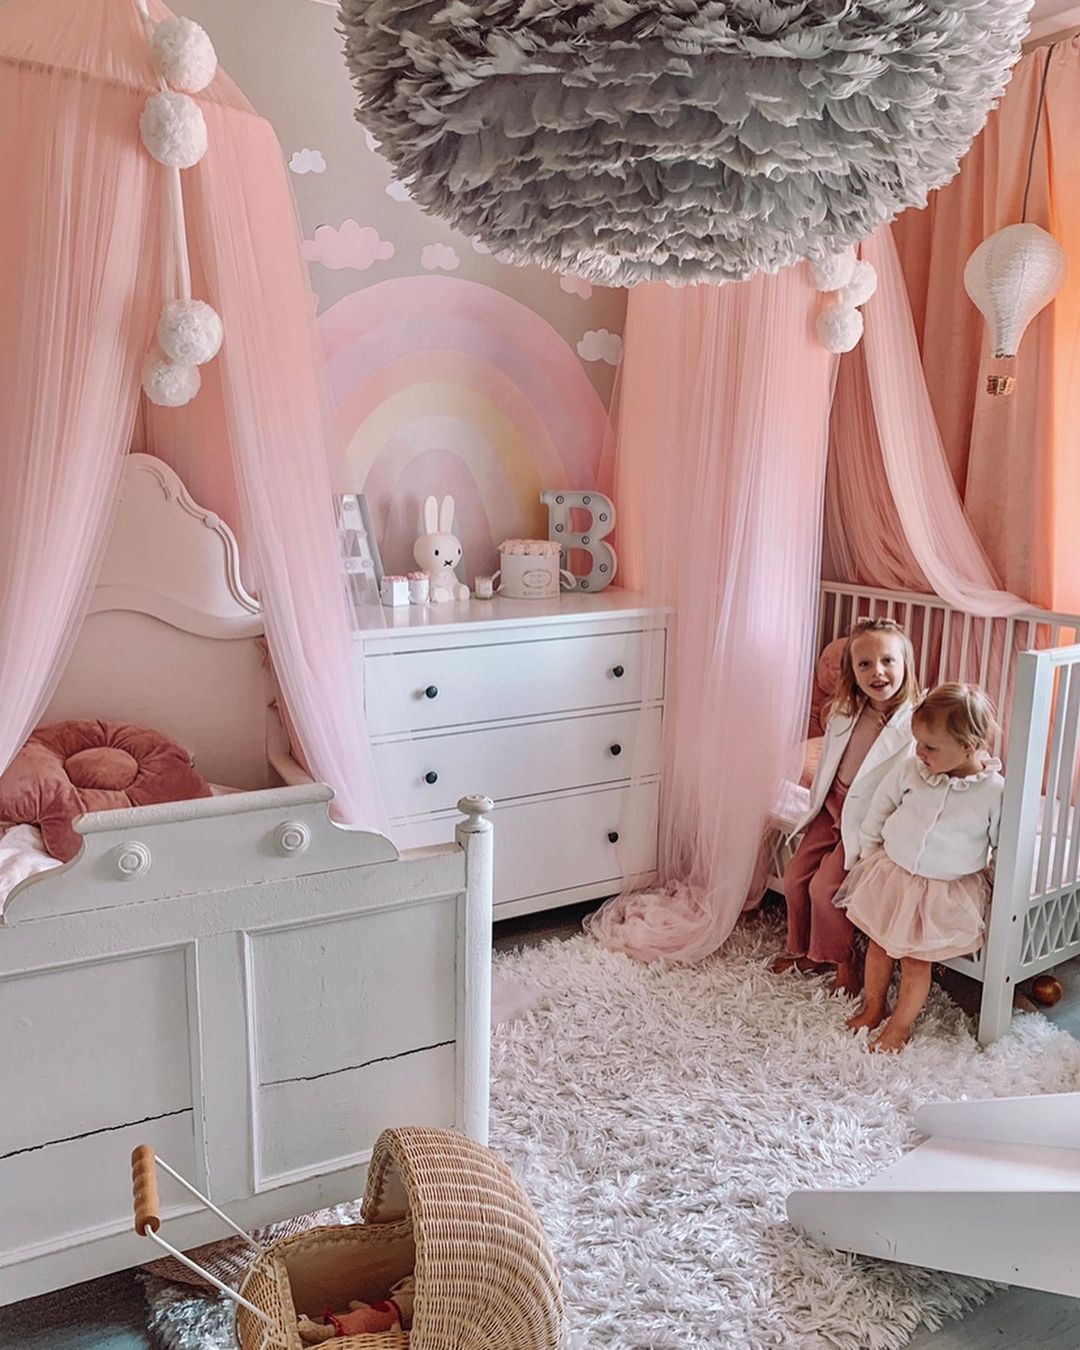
(868, 734)
(921, 889)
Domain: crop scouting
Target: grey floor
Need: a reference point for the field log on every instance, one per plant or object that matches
(110, 1314)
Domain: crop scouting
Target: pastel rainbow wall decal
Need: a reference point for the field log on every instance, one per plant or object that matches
(448, 386)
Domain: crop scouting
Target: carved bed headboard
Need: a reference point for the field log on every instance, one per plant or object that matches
(171, 639)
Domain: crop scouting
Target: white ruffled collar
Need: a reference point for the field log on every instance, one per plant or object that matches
(991, 766)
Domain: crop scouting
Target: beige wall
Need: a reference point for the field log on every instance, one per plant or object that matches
(286, 57)
(479, 380)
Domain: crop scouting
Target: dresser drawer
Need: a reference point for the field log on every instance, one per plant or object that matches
(518, 761)
(561, 843)
(423, 690)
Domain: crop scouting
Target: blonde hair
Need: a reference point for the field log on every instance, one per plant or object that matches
(963, 710)
(849, 699)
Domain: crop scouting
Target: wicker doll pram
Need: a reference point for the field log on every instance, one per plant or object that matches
(438, 1206)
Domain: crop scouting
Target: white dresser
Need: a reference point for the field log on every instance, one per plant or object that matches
(549, 707)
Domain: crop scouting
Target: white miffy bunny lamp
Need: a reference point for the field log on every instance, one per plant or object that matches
(438, 551)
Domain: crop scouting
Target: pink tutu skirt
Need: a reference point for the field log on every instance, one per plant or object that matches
(915, 916)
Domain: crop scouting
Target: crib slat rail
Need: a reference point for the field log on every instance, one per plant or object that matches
(1050, 911)
(1016, 847)
(946, 640)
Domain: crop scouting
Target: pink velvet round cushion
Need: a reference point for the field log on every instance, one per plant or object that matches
(68, 768)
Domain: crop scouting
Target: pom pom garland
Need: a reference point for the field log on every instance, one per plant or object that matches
(168, 385)
(173, 129)
(833, 271)
(189, 332)
(852, 282)
(861, 286)
(183, 54)
(839, 328)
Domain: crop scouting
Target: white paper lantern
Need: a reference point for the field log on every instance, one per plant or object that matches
(1011, 277)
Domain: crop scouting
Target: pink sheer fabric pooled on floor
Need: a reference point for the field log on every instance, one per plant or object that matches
(722, 436)
(81, 292)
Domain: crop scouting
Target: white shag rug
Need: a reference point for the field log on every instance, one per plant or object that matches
(659, 1117)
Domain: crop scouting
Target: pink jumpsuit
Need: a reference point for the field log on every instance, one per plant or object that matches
(816, 928)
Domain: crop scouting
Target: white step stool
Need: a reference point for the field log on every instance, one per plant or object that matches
(994, 1192)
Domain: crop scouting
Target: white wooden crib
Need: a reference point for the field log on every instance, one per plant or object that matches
(250, 987)
(1030, 666)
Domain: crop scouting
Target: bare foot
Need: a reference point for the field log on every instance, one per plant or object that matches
(785, 961)
(847, 980)
(868, 1018)
(892, 1039)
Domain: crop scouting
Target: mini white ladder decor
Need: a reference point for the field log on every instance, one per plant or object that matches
(993, 1192)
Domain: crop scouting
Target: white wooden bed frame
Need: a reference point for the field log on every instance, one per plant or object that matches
(1034, 921)
(249, 987)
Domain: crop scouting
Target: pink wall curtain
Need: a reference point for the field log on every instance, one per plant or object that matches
(73, 227)
(722, 435)
(1013, 459)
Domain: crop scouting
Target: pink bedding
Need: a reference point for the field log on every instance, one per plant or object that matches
(22, 854)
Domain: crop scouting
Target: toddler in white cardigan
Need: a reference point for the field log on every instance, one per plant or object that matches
(921, 889)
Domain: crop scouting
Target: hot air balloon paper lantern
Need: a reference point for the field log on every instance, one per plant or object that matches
(1011, 277)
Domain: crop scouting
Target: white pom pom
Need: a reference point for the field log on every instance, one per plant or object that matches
(839, 328)
(833, 272)
(860, 287)
(173, 129)
(167, 385)
(189, 332)
(183, 54)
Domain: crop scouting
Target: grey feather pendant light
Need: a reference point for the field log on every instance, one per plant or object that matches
(676, 140)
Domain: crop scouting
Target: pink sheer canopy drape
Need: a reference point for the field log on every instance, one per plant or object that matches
(724, 423)
(80, 290)
(894, 516)
(1013, 459)
(78, 214)
(722, 435)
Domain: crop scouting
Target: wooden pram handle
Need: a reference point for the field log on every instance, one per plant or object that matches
(144, 1190)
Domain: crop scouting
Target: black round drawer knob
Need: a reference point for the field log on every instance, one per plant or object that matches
(613, 836)
(432, 691)
(431, 776)
(615, 749)
(618, 672)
